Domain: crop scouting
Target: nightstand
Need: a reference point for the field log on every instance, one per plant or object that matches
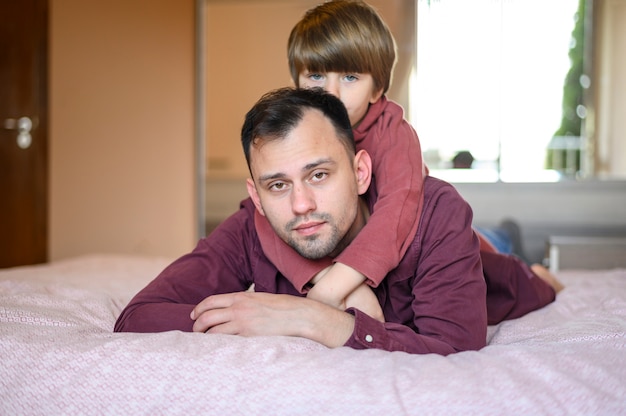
(571, 252)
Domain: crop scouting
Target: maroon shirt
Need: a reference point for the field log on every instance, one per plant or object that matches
(435, 301)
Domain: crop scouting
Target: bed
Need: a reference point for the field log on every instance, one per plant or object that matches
(60, 356)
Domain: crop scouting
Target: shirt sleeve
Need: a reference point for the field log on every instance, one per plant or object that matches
(399, 174)
(220, 263)
(439, 282)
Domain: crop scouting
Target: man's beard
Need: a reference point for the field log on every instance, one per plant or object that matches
(313, 247)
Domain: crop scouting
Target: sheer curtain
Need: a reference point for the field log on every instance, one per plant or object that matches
(489, 80)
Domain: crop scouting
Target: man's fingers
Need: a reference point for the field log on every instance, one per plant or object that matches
(210, 303)
(210, 319)
(228, 328)
(216, 310)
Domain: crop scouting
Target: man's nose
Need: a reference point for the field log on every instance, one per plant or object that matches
(302, 200)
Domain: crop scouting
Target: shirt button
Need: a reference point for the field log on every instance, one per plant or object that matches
(369, 338)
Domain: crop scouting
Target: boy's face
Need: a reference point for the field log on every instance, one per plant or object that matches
(356, 91)
(308, 185)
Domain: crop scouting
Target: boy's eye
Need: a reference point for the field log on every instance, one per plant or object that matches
(351, 78)
(316, 77)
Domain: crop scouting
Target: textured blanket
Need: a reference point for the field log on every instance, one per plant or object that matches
(60, 356)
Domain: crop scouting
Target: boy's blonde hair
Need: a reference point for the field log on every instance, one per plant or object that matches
(343, 36)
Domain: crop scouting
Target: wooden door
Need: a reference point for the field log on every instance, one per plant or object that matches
(23, 150)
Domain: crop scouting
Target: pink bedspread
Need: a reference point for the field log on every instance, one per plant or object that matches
(59, 356)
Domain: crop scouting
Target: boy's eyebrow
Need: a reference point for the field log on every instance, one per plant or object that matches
(306, 168)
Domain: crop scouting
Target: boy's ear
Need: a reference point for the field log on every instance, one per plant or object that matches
(376, 96)
(363, 171)
(254, 195)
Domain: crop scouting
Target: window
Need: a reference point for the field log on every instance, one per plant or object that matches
(490, 81)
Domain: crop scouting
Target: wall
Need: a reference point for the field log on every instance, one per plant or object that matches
(122, 127)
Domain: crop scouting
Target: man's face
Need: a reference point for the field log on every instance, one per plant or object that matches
(307, 185)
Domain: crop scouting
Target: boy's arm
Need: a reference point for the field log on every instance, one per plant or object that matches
(396, 193)
(343, 287)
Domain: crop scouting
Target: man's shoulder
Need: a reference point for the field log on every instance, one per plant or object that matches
(244, 216)
(437, 190)
(434, 185)
(239, 225)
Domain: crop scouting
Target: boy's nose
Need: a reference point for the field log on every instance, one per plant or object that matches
(332, 87)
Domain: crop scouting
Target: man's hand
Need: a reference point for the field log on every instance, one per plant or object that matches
(255, 314)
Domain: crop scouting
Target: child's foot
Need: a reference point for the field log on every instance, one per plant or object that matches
(548, 277)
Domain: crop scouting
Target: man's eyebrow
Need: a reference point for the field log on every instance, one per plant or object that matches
(306, 168)
(271, 177)
(317, 163)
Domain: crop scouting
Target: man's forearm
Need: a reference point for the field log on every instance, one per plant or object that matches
(155, 317)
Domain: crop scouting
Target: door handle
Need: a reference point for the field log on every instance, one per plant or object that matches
(23, 125)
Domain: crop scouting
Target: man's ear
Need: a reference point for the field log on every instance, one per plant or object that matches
(363, 171)
(254, 195)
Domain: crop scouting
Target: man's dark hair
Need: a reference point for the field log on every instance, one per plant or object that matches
(279, 111)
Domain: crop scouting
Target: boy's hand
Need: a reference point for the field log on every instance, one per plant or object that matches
(364, 299)
(342, 287)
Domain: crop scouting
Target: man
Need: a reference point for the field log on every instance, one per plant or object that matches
(314, 189)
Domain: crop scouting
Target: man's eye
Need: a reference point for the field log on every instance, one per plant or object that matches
(277, 186)
(319, 176)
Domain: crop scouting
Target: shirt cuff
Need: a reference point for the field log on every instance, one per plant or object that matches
(368, 332)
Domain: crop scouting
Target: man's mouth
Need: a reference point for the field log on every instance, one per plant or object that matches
(309, 228)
